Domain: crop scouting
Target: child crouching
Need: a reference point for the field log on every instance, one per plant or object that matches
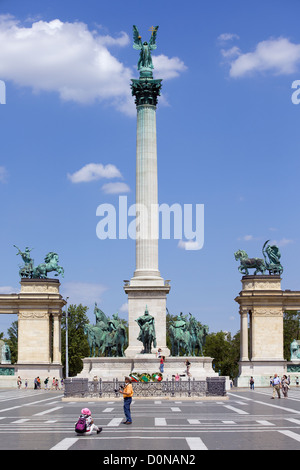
(85, 424)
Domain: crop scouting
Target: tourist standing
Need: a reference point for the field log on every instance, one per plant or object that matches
(162, 363)
(127, 395)
(188, 365)
(285, 386)
(46, 383)
(276, 386)
(251, 383)
(19, 382)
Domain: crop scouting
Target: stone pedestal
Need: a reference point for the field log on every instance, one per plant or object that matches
(39, 308)
(109, 368)
(153, 295)
(262, 303)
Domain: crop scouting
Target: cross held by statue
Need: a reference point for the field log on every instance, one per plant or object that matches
(152, 29)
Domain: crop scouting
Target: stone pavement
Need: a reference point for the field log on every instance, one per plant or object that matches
(38, 419)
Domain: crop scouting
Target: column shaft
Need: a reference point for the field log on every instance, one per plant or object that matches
(244, 336)
(146, 194)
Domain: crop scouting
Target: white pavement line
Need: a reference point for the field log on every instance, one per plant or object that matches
(157, 402)
(288, 410)
(229, 422)
(48, 411)
(160, 422)
(65, 444)
(293, 420)
(264, 423)
(19, 421)
(175, 408)
(107, 410)
(51, 421)
(194, 421)
(26, 404)
(291, 434)
(195, 443)
(237, 410)
(115, 422)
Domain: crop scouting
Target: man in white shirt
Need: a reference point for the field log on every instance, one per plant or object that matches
(276, 386)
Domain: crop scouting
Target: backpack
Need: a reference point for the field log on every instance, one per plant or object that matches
(80, 426)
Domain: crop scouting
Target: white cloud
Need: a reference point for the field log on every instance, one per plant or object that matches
(227, 37)
(115, 188)
(230, 53)
(247, 238)
(166, 68)
(124, 308)
(3, 174)
(94, 171)
(282, 242)
(276, 55)
(9, 290)
(83, 292)
(64, 57)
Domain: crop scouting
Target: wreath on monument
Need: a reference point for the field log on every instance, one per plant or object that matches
(145, 377)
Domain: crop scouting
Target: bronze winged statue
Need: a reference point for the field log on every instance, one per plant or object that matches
(145, 59)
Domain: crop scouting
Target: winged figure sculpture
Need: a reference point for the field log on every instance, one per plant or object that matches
(145, 59)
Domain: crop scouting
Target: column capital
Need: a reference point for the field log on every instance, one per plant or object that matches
(145, 91)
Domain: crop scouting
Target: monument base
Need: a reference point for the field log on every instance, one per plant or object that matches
(151, 293)
(109, 368)
(261, 371)
(31, 371)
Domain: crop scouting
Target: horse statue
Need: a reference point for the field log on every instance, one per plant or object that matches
(40, 271)
(119, 339)
(249, 263)
(196, 336)
(180, 337)
(92, 338)
(202, 337)
(51, 264)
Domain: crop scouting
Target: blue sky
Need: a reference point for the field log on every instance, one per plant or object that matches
(227, 133)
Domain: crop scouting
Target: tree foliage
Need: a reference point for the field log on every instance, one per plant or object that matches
(78, 347)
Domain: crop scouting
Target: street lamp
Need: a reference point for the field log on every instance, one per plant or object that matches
(67, 344)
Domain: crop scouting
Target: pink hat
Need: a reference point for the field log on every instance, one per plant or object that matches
(85, 411)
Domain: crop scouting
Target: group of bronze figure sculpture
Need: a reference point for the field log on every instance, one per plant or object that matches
(108, 337)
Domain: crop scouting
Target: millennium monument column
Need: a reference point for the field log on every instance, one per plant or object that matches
(146, 290)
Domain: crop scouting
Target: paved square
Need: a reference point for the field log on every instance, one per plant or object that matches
(37, 419)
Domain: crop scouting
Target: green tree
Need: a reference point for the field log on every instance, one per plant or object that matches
(77, 341)
(291, 331)
(225, 352)
(12, 341)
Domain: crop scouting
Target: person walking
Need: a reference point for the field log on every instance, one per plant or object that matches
(127, 392)
(162, 363)
(251, 383)
(19, 382)
(276, 386)
(285, 386)
(188, 365)
(85, 424)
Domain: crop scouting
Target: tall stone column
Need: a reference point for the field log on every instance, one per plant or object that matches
(146, 289)
(146, 194)
(56, 338)
(244, 335)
